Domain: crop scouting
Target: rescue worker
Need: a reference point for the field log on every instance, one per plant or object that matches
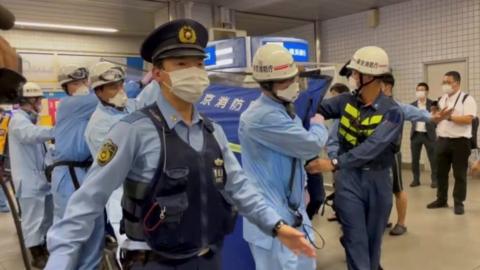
(177, 197)
(275, 146)
(27, 154)
(107, 81)
(369, 132)
(71, 156)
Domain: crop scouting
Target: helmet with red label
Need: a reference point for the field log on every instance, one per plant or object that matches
(273, 62)
(370, 60)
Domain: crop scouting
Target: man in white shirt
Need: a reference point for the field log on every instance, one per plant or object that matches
(453, 145)
(423, 134)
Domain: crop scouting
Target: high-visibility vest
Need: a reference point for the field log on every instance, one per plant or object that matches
(353, 128)
(3, 132)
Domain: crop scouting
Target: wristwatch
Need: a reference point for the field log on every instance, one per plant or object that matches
(277, 226)
(335, 164)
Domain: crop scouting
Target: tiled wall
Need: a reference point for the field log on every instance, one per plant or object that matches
(412, 33)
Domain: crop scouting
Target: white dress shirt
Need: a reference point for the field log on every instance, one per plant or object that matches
(421, 126)
(449, 129)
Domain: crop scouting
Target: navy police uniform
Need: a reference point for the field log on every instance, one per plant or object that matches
(368, 138)
(180, 181)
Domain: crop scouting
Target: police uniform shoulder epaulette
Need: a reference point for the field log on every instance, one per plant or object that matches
(133, 117)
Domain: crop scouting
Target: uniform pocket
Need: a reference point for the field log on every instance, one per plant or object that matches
(162, 223)
(175, 181)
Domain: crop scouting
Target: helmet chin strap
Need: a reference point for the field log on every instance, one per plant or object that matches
(358, 91)
(111, 105)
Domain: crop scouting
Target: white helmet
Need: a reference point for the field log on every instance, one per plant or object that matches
(31, 90)
(104, 73)
(370, 60)
(273, 62)
(71, 73)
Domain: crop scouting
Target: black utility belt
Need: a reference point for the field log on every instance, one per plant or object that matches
(71, 168)
(145, 256)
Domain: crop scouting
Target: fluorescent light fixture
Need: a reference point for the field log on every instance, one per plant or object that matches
(275, 42)
(225, 51)
(66, 27)
(224, 62)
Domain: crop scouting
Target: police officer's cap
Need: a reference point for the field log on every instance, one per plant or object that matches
(178, 38)
(345, 72)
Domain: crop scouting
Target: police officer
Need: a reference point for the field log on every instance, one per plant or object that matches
(275, 147)
(369, 130)
(179, 176)
(71, 156)
(27, 153)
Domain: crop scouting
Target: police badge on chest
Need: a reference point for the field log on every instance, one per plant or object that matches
(218, 172)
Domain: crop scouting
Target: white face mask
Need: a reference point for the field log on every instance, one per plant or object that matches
(189, 84)
(289, 94)
(352, 83)
(119, 100)
(82, 91)
(420, 94)
(447, 89)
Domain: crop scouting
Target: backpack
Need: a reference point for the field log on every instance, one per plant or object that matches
(475, 123)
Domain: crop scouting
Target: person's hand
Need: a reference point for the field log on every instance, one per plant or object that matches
(8, 56)
(475, 168)
(320, 165)
(295, 241)
(442, 115)
(317, 119)
(147, 78)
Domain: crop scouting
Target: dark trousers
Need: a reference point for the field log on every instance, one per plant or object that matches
(397, 173)
(363, 200)
(452, 153)
(316, 191)
(418, 140)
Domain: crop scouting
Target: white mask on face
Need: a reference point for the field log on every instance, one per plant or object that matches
(420, 94)
(82, 91)
(289, 94)
(119, 100)
(189, 84)
(352, 83)
(447, 89)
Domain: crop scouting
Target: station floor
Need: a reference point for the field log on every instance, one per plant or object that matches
(436, 239)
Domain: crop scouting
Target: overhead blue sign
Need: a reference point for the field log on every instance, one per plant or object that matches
(211, 58)
(297, 47)
(299, 50)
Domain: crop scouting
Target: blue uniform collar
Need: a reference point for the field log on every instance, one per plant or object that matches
(270, 101)
(172, 117)
(110, 109)
(375, 104)
(29, 115)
